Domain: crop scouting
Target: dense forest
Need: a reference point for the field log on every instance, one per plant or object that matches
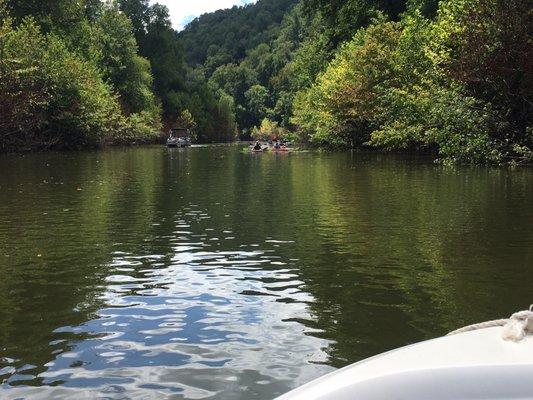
(451, 77)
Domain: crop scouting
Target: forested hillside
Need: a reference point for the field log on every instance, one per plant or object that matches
(450, 77)
(227, 35)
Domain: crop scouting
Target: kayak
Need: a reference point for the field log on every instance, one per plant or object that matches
(281, 150)
(478, 362)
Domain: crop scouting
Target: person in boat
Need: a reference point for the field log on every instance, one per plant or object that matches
(257, 146)
(277, 146)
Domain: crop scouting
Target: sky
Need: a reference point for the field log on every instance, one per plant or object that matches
(184, 11)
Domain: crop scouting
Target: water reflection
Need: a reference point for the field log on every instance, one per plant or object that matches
(209, 273)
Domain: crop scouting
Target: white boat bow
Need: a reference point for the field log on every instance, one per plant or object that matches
(479, 362)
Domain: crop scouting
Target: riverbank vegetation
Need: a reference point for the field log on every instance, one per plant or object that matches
(459, 84)
(72, 78)
(449, 77)
(86, 73)
(452, 77)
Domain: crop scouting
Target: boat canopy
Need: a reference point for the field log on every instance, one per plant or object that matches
(180, 132)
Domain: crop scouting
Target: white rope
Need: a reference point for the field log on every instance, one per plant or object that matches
(515, 328)
(482, 325)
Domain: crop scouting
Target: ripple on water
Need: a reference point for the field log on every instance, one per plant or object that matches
(195, 323)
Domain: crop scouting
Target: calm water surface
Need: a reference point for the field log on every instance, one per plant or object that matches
(208, 273)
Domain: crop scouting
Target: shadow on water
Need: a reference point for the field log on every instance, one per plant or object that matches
(210, 273)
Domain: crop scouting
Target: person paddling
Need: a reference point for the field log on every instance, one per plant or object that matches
(257, 146)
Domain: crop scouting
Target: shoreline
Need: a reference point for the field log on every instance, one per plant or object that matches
(427, 154)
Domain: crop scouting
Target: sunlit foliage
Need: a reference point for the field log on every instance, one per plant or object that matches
(415, 84)
(84, 89)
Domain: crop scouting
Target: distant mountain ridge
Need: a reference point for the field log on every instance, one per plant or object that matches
(229, 34)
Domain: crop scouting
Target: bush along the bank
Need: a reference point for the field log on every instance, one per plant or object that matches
(458, 85)
(59, 93)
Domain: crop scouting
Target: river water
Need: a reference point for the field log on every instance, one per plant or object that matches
(210, 273)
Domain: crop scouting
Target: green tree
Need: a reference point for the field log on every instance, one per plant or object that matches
(129, 73)
(50, 14)
(345, 17)
(24, 94)
(73, 105)
(258, 101)
(227, 125)
(56, 94)
(159, 43)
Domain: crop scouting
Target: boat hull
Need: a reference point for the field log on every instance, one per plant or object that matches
(473, 365)
(177, 144)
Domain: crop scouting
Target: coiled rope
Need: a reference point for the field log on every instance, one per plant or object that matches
(515, 328)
